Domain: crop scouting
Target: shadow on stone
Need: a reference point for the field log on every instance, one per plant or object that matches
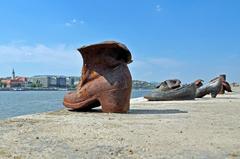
(156, 111)
(228, 97)
(219, 97)
(136, 111)
(87, 110)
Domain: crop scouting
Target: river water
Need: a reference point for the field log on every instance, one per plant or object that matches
(15, 103)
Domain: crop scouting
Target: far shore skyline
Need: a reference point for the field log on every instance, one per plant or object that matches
(21, 75)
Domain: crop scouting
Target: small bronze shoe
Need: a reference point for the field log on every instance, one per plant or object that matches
(185, 92)
(213, 88)
(169, 84)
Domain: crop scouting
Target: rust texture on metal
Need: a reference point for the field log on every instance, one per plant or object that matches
(105, 80)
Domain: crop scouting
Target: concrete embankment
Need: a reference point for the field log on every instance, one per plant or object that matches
(202, 128)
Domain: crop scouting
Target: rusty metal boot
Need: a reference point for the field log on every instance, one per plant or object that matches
(106, 79)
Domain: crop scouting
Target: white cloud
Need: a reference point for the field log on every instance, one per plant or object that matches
(59, 56)
(158, 8)
(66, 60)
(68, 24)
(82, 22)
(156, 69)
(74, 22)
(157, 62)
(165, 62)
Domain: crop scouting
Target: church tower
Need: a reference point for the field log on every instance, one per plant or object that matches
(13, 74)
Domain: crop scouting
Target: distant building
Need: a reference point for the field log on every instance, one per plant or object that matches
(69, 81)
(14, 81)
(13, 74)
(72, 81)
(43, 80)
(61, 82)
(48, 81)
(53, 81)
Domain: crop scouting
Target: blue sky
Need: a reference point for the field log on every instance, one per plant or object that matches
(186, 39)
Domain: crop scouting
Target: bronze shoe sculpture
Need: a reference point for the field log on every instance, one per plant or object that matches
(169, 84)
(225, 85)
(213, 88)
(172, 90)
(105, 80)
(198, 83)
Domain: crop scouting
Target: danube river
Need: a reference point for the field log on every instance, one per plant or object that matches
(15, 103)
